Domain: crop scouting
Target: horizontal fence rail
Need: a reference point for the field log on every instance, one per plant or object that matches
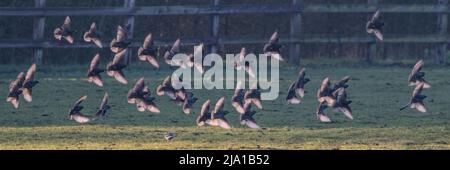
(225, 41)
(295, 9)
(220, 9)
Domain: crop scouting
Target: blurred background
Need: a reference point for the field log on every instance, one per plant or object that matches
(249, 25)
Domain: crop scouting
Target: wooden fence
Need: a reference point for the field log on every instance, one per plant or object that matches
(296, 8)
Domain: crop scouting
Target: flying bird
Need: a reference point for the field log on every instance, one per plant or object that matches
(167, 88)
(375, 26)
(237, 100)
(342, 104)
(29, 83)
(140, 95)
(93, 35)
(214, 118)
(75, 112)
(115, 67)
(241, 64)
(120, 43)
(247, 118)
(253, 96)
(297, 88)
(416, 101)
(148, 52)
(272, 48)
(205, 114)
(104, 107)
(321, 116)
(341, 83)
(324, 94)
(417, 75)
(188, 103)
(94, 71)
(64, 32)
(15, 89)
(175, 49)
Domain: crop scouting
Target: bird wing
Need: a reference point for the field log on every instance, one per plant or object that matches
(93, 27)
(30, 73)
(219, 105)
(121, 34)
(417, 67)
(274, 38)
(375, 16)
(119, 57)
(94, 62)
(323, 87)
(378, 34)
(147, 41)
(67, 22)
(205, 107)
(104, 101)
(119, 76)
(176, 47)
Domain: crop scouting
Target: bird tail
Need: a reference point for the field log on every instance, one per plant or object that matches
(404, 107)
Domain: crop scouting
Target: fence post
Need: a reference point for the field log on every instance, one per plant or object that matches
(130, 22)
(38, 32)
(214, 29)
(295, 29)
(442, 24)
(372, 45)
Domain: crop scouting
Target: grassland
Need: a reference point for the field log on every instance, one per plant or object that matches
(377, 92)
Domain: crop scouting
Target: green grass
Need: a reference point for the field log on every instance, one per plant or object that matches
(377, 92)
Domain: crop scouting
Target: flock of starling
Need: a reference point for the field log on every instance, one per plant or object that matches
(331, 94)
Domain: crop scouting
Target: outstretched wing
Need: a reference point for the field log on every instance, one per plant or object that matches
(94, 62)
(176, 46)
(67, 22)
(417, 67)
(205, 107)
(148, 41)
(121, 34)
(219, 105)
(30, 73)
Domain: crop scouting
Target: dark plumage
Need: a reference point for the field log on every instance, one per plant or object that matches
(297, 88)
(15, 89)
(214, 118)
(375, 25)
(237, 100)
(188, 102)
(94, 71)
(241, 64)
(272, 48)
(115, 67)
(254, 96)
(29, 83)
(148, 52)
(247, 118)
(342, 104)
(417, 76)
(324, 94)
(175, 49)
(416, 101)
(321, 116)
(75, 112)
(93, 35)
(140, 95)
(169, 136)
(120, 43)
(104, 107)
(64, 32)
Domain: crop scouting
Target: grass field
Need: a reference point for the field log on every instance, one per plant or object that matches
(377, 92)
